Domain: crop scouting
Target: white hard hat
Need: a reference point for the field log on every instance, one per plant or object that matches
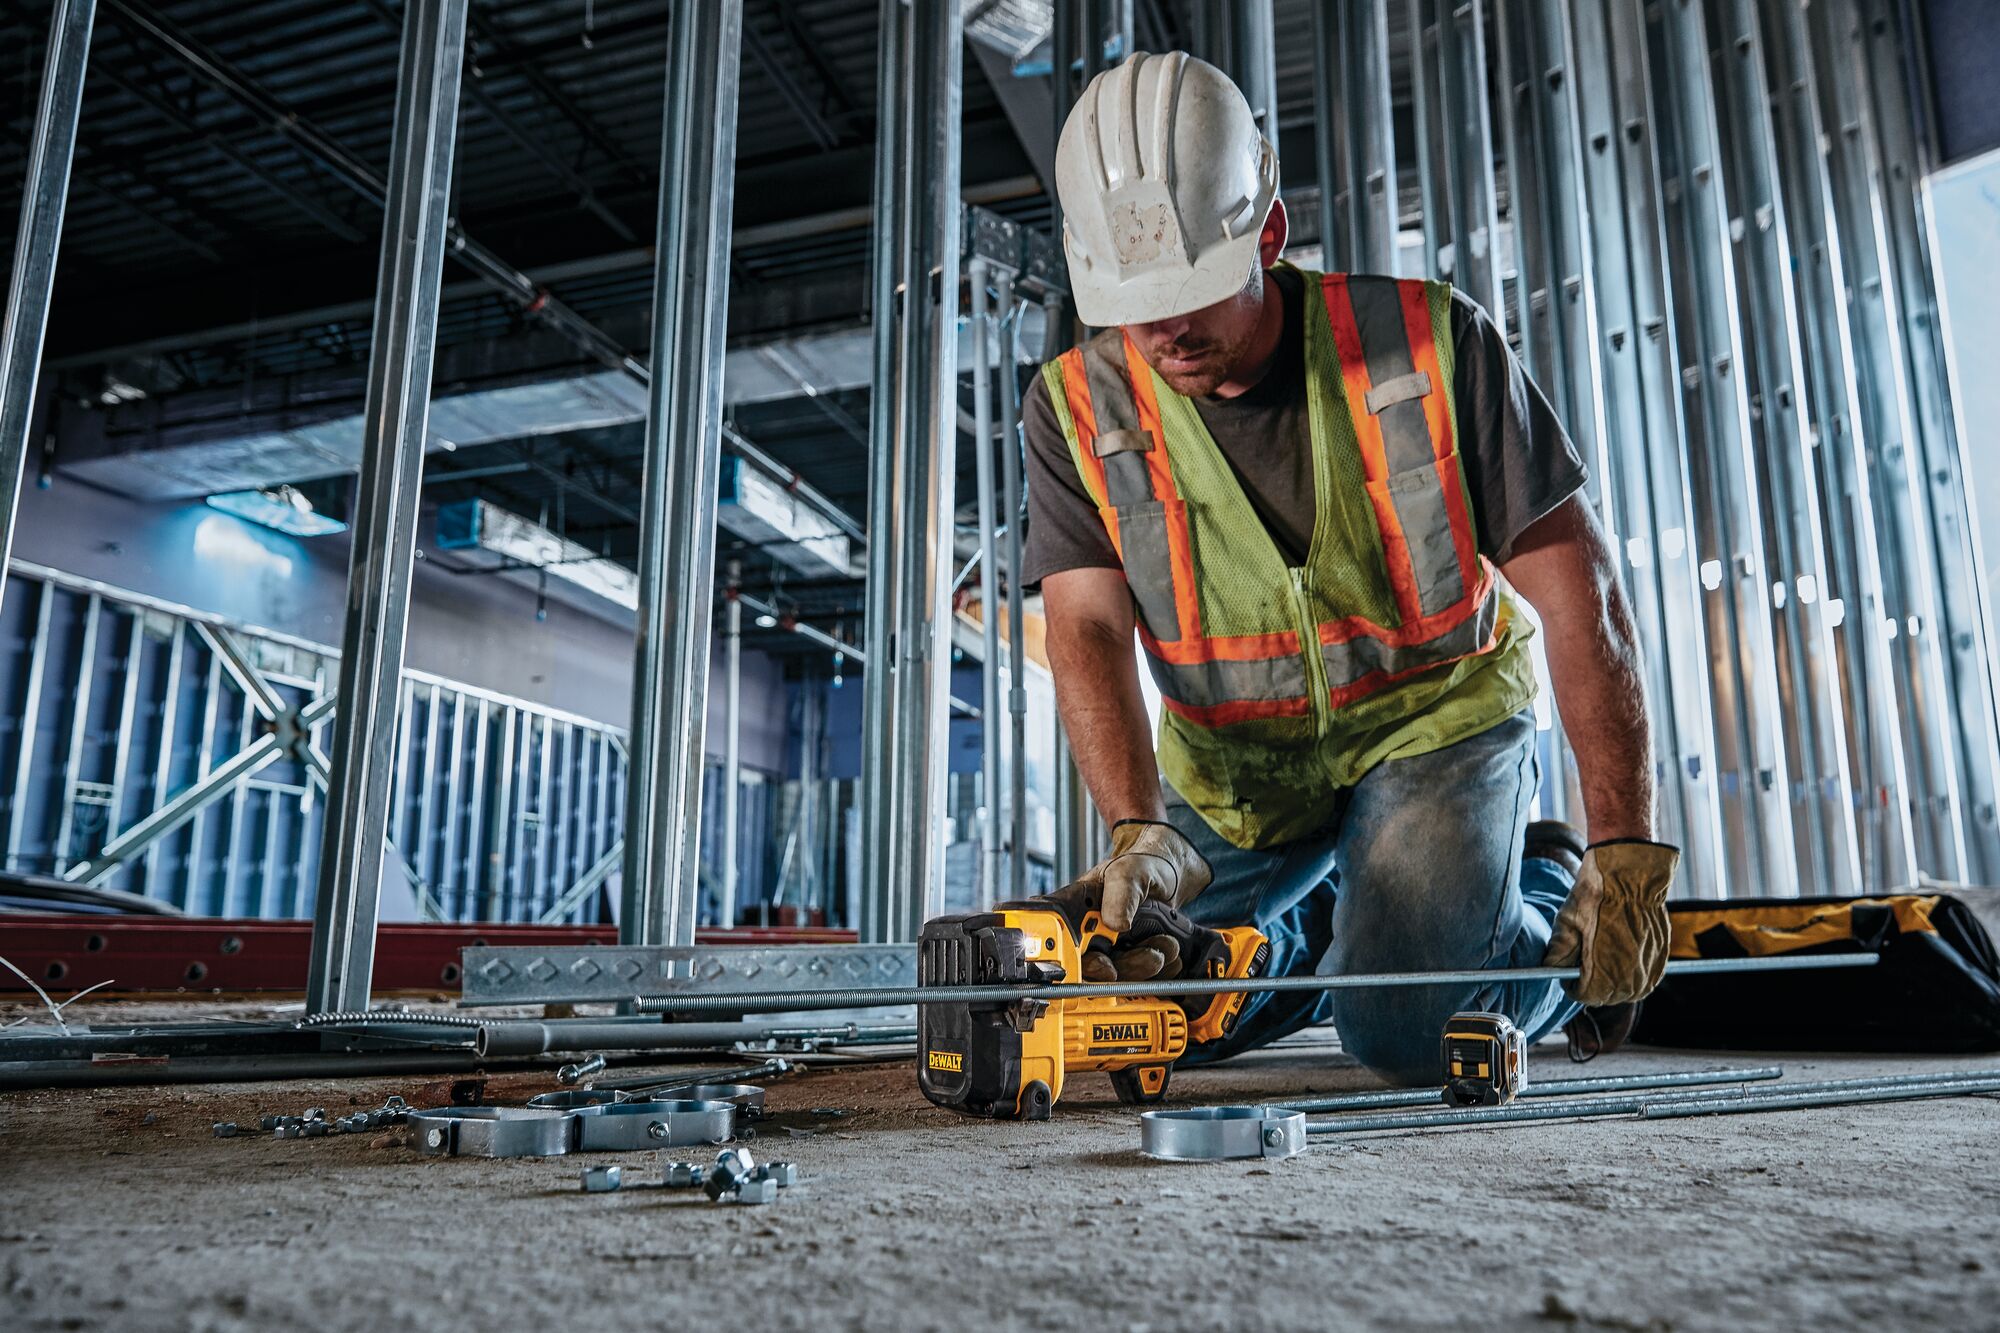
(1165, 183)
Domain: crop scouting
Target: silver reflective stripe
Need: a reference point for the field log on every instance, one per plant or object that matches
(1414, 487)
(1127, 479)
(1348, 662)
(1419, 501)
(1206, 684)
(1149, 566)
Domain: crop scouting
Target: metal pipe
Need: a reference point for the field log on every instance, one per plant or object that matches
(682, 460)
(1829, 1092)
(1364, 1101)
(864, 997)
(990, 732)
(1017, 658)
(355, 827)
(913, 416)
(44, 197)
(732, 744)
(610, 1034)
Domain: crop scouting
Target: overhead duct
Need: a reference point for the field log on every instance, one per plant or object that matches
(304, 427)
(762, 509)
(483, 536)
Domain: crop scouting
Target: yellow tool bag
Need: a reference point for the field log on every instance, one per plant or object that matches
(1937, 987)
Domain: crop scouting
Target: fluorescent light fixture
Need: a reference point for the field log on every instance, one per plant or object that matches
(281, 508)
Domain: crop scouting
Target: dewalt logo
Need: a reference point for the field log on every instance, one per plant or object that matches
(1119, 1031)
(950, 1062)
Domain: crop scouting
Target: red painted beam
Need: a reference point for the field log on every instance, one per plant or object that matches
(67, 952)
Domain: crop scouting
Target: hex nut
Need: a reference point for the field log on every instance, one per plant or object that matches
(226, 1130)
(602, 1179)
(784, 1174)
(686, 1175)
(733, 1166)
(762, 1190)
(315, 1113)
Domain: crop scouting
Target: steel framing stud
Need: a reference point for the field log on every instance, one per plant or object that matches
(661, 885)
(42, 205)
(385, 505)
(912, 472)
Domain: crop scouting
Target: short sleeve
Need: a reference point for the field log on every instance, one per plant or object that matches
(1519, 461)
(1064, 531)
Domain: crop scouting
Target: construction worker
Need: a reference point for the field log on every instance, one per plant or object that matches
(1320, 500)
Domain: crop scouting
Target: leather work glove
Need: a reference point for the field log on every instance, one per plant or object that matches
(1149, 862)
(1161, 943)
(1614, 925)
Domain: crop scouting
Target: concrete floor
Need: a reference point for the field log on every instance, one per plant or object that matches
(119, 1210)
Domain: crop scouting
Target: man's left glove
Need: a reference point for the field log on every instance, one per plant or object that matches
(1160, 944)
(1614, 923)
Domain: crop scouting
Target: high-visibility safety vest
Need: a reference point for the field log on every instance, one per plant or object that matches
(1283, 684)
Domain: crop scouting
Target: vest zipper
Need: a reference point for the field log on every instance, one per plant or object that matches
(1316, 686)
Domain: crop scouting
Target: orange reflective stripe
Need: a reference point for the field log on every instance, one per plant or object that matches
(1148, 403)
(1076, 388)
(1368, 435)
(1222, 715)
(1444, 430)
(1109, 517)
(1180, 543)
(1222, 648)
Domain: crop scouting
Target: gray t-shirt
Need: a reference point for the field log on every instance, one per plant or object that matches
(1519, 463)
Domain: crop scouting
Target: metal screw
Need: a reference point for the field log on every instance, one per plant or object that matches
(435, 1138)
(1273, 1137)
(570, 1075)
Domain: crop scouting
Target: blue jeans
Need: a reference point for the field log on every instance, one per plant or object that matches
(1418, 868)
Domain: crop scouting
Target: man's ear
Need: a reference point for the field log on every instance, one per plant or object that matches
(1277, 230)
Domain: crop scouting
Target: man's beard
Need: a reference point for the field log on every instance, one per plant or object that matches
(1215, 362)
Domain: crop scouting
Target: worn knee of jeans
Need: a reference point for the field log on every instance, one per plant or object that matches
(1398, 1033)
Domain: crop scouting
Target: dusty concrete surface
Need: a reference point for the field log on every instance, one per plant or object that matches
(119, 1210)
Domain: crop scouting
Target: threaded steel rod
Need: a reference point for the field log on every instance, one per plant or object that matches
(1368, 1101)
(751, 1002)
(1629, 1104)
(1743, 1105)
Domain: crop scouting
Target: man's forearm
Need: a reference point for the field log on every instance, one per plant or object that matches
(1593, 655)
(1097, 691)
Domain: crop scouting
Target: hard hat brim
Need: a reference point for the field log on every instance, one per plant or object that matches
(1144, 298)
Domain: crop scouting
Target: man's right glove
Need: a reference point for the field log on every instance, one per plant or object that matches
(1149, 862)
(1614, 923)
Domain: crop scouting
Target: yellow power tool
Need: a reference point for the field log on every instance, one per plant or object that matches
(1010, 1059)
